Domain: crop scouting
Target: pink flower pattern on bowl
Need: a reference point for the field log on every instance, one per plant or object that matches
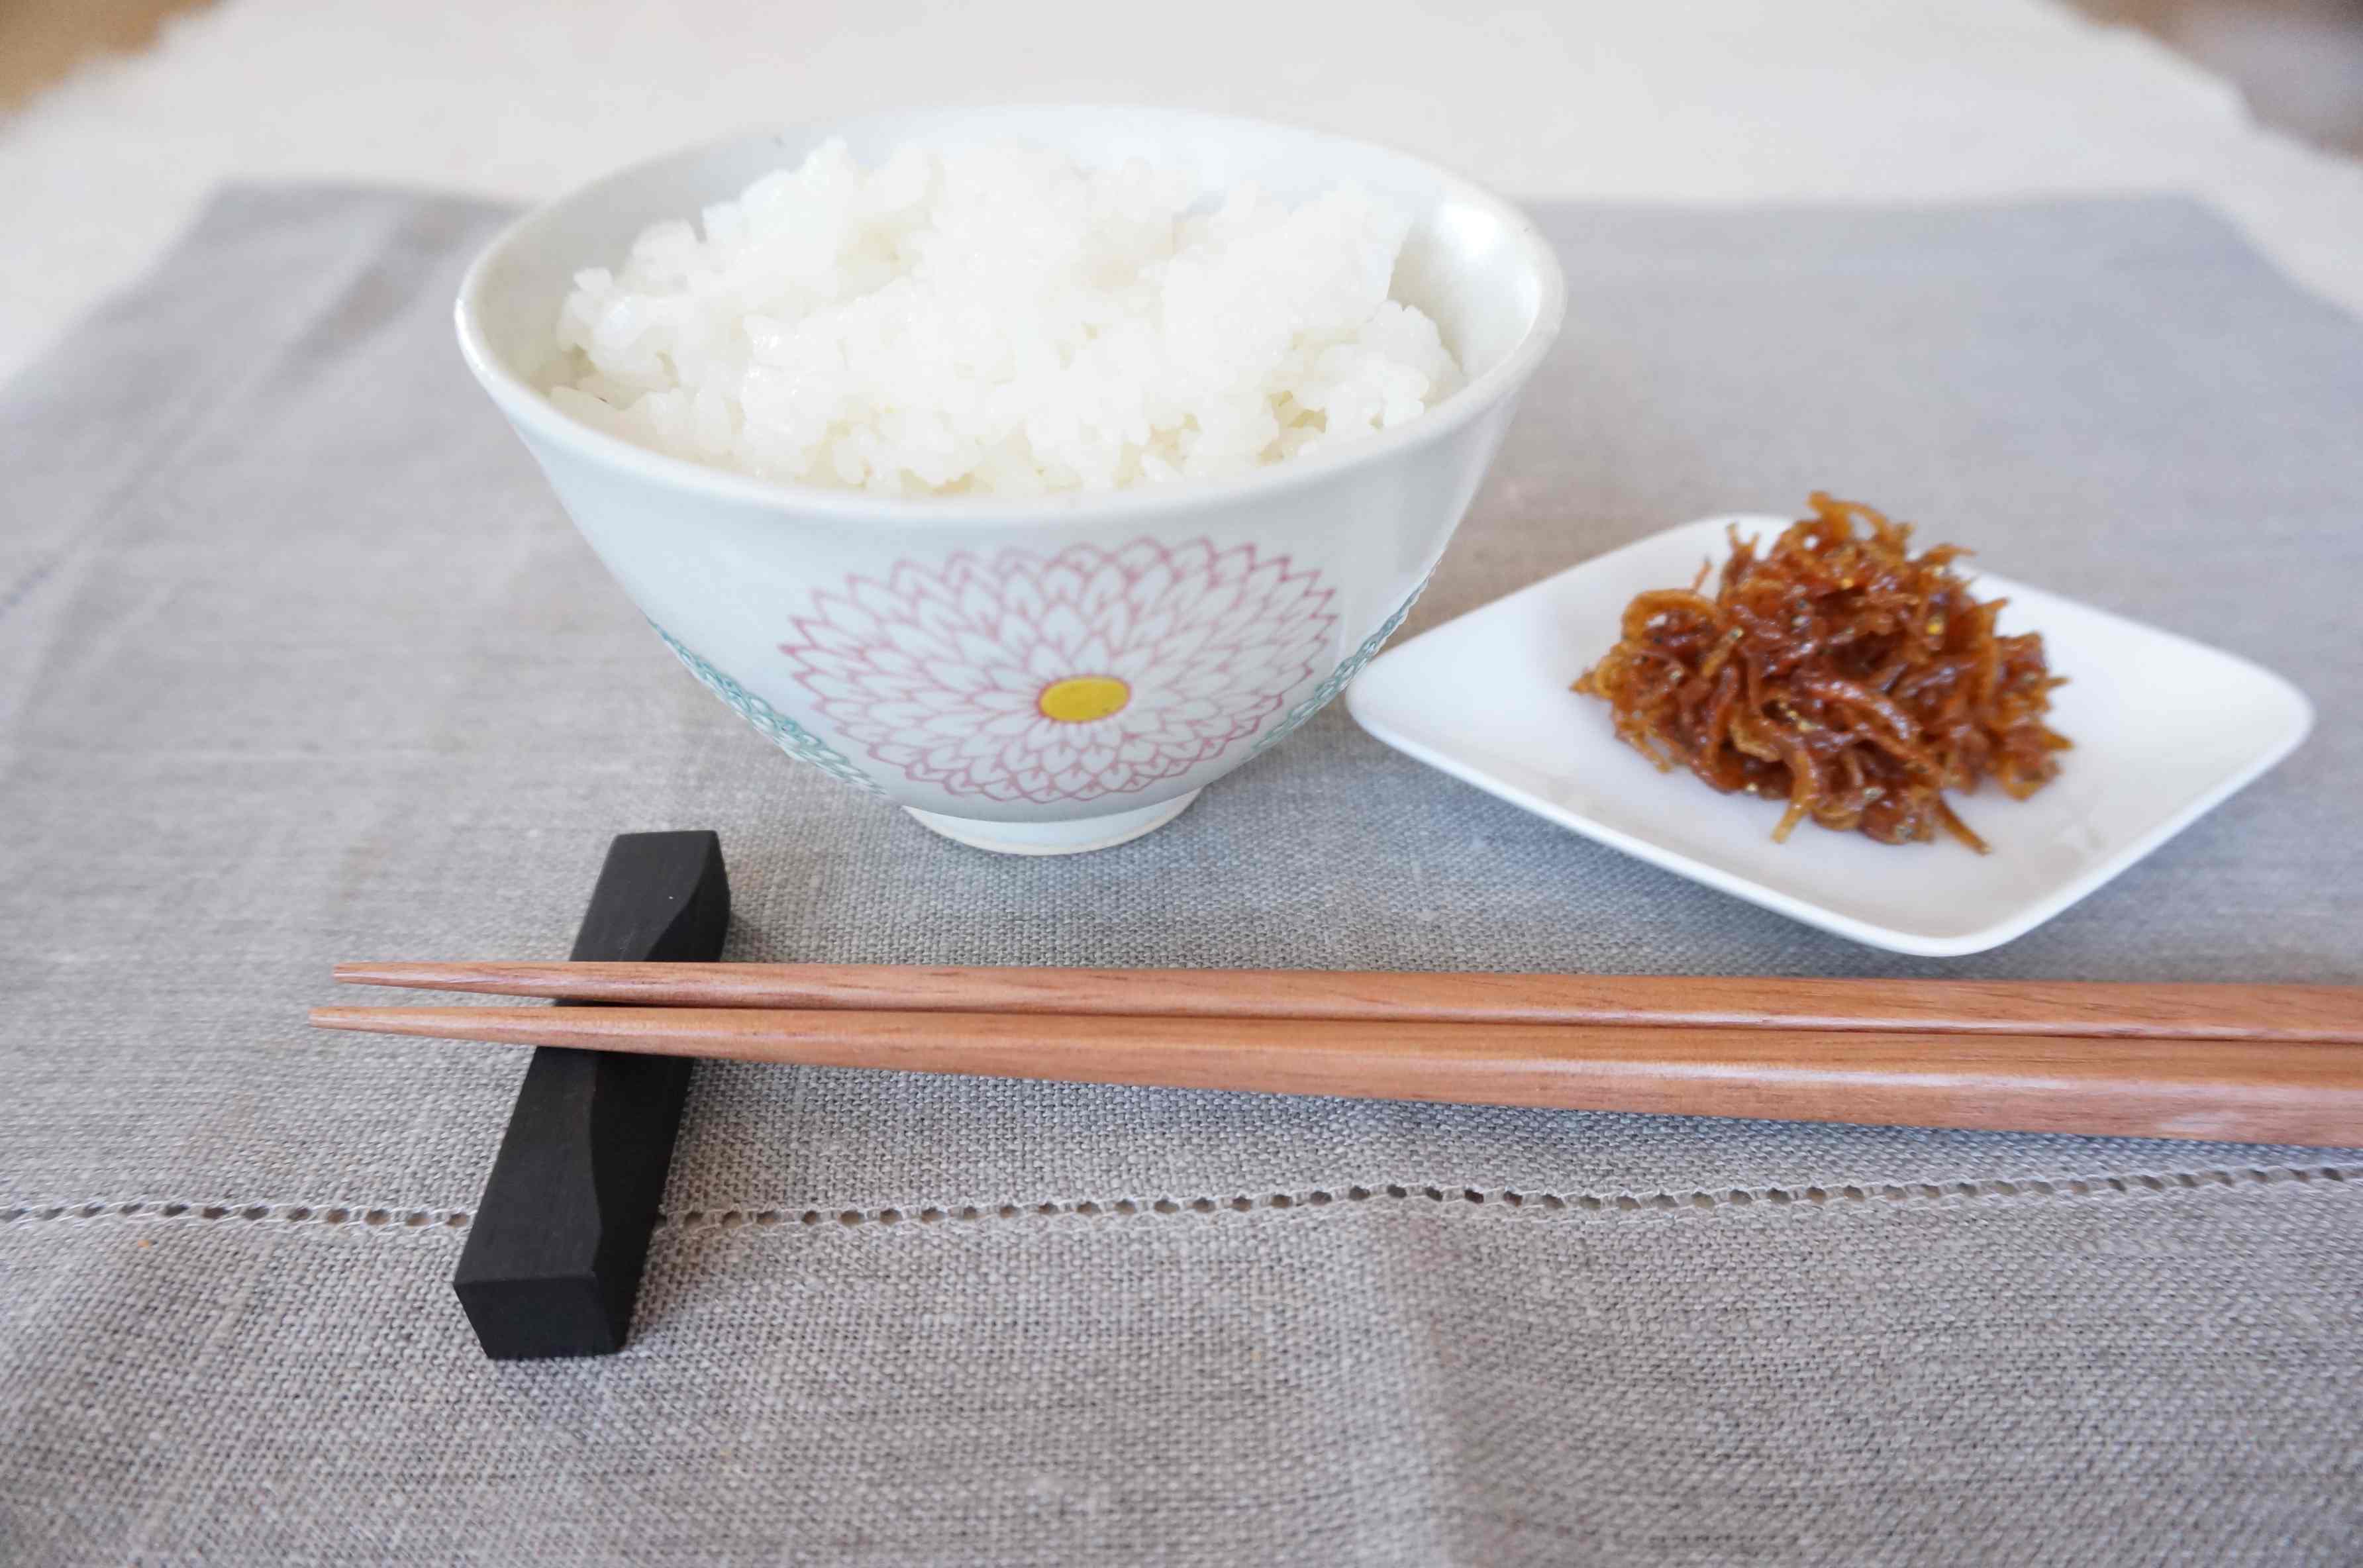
(1065, 677)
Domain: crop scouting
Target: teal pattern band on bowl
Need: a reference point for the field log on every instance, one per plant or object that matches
(784, 733)
(1339, 677)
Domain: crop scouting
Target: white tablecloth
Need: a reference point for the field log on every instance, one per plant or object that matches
(1719, 100)
(258, 712)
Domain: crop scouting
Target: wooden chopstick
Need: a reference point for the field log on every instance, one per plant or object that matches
(2306, 1093)
(1998, 1007)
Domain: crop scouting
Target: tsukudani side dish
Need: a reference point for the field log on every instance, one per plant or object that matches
(1840, 673)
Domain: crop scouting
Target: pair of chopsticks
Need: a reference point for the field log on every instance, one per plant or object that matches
(2236, 1063)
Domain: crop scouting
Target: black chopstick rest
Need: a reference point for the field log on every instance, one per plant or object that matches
(555, 1251)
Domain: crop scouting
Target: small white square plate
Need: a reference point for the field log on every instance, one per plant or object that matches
(2164, 727)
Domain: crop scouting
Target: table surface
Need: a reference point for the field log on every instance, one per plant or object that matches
(300, 661)
(255, 716)
(1729, 101)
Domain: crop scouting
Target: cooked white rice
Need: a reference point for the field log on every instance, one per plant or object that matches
(997, 320)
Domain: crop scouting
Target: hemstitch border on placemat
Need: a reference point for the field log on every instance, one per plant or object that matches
(398, 1219)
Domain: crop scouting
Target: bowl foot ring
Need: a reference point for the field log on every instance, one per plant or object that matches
(1078, 837)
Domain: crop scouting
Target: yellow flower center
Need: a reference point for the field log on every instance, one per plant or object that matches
(1079, 699)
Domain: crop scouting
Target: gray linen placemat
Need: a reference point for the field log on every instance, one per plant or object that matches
(299, 661)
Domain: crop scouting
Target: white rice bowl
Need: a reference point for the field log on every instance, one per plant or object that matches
(995, 320)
